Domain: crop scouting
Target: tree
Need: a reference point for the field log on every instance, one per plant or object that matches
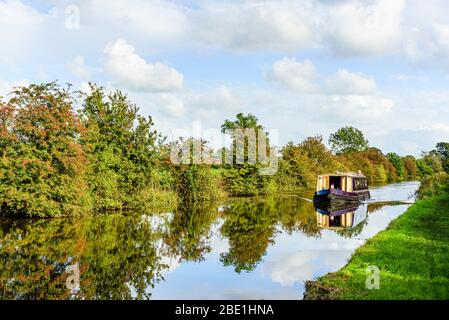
(348, 139)
(301, 163)
(242, 177)
(42, 164)
(433, 160)
(443, 150)
(318, 154)
(411, 168)
(194, 180)
(242, 122)
(423, 168)
(248, 126)
(122, 150)
(396, 160)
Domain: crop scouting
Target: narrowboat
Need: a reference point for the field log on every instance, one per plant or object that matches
(341, 187)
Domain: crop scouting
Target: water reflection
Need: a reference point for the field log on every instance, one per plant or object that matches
(253, 248)
(346, 220)
(112, 254)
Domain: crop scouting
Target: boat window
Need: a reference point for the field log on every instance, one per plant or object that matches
(360, 184)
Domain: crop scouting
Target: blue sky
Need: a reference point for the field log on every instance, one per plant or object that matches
(303, 67)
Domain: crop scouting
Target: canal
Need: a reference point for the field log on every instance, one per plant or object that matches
(250, 248)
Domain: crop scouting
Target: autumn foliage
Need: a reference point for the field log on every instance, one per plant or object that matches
(42, 164)
(106, 157)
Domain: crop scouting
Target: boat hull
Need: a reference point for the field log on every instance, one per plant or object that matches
(339, 196)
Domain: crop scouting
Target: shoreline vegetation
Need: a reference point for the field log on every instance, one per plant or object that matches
(59, 160)
(412, 255)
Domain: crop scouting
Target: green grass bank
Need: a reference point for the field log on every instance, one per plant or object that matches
(412, 255)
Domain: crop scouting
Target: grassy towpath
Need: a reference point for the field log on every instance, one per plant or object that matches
(412, 255)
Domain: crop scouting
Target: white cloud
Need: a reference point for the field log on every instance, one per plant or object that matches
(296, 267)
(19, 25)
(346, 82)
(350, 27)
(133, 72)
(78, 68)
(344, 96)
(85, 87)
(16, 13)
(252, 25)
(172, 106)
(147, 19)
(298, 76)
(220, 98)
(437, 127)
(6, 87)
(407, 77)
(356, 108)
(302, 77)
(361, 28)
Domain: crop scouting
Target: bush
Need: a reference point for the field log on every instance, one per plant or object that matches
(42, 166)
(196, 183)
(432, 185)
(122, 151)
(244, 180)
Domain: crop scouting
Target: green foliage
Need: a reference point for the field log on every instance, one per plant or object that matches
(55, 162)
(116, 257)
(443, 150)
(300, 164)
(42, 164)
(189, 231)
(195, 182)
(242, 178)
(433, 185)
(433, 160)
(396, 160)
(249, 121)
(348, 139)
(122, 150)
(424, 169)
(250, 227)
(194, 179)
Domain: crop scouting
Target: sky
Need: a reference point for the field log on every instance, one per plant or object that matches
(302, 67)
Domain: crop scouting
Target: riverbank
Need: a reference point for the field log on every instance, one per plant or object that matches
(412, 255)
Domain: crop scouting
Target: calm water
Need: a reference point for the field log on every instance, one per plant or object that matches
(261, 248)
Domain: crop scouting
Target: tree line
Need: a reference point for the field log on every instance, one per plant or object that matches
(59, 161)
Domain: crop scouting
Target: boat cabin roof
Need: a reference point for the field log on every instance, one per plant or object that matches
(344, 174)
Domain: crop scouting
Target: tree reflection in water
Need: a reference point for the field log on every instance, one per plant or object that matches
(122, 256)
(115, 254)
(189, 231)
(251, 224)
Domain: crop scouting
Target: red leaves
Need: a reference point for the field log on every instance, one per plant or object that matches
(44, 162)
